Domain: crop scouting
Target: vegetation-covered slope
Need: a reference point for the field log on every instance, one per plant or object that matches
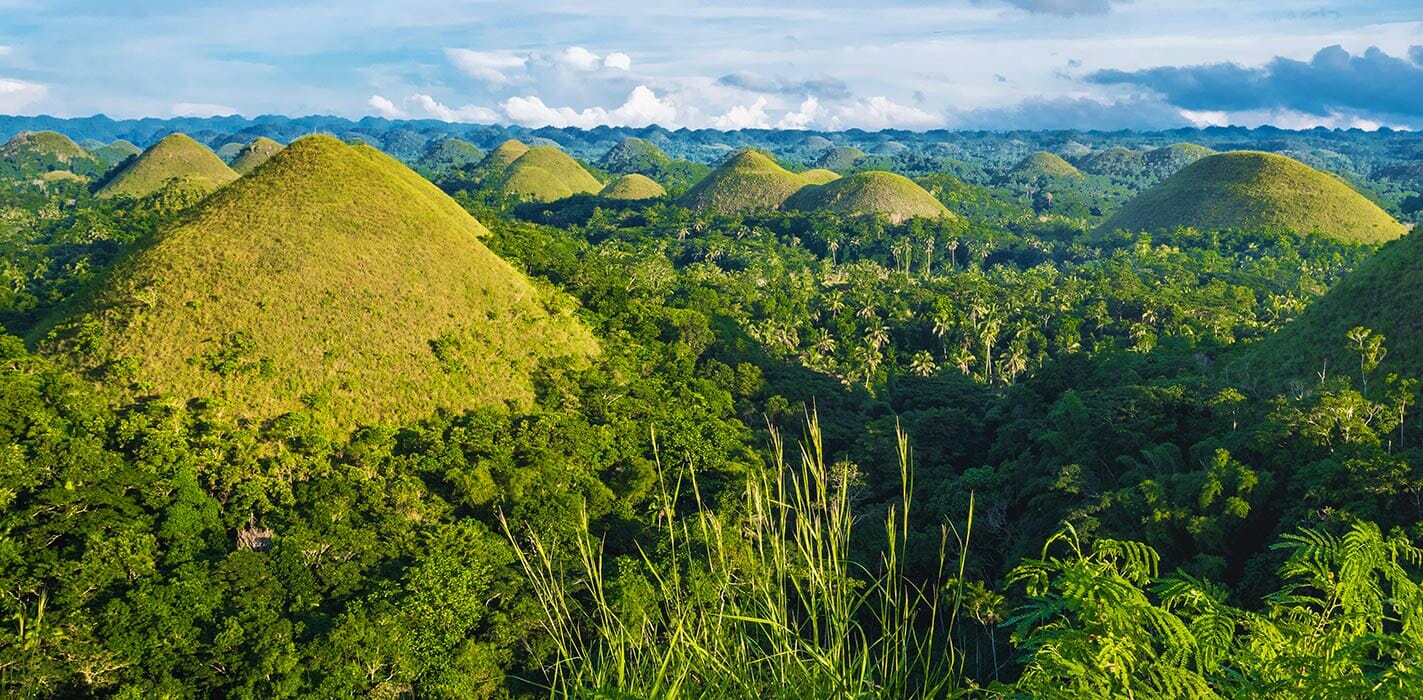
(633, 186)
(117, 152)
(1115, 162)
(34, 152)
(819, 176)
(176, 157)
(334, 276)
(1252, 190)
(874, 192)
(546, 174)
(840, 158)
(748, 181)
(503, 155)
(1161, 163)
(634, 155)
(450, 154)
(255, 153)
(1384, 295)
(1042, 164)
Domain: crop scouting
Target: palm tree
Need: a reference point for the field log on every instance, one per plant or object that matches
(922, 363)
(963, 359)
(877, 337)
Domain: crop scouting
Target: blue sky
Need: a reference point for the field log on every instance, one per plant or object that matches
(830, 64)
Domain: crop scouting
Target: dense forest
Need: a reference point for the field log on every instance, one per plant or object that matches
(993, 445)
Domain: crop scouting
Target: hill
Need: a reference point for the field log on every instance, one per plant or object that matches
(1385, 295)
(31, 153)
(633, 186)
(449, 154)
(546, 174)
(748, 181)
(503, 155)
(1043, 164)
(841, 158)
(634, 155)
(332, 276)
(1114, 162)
(176, 157)
(1251, 190)
(116, 152)
(819, 176)
(873, 192)
(254, 154)
(1161, 163)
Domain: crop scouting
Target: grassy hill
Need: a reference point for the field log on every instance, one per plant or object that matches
(332, 276)
(1114, 162)
(1042, 164)
(819, 176)
(176, 157)
(546, 174)
(449, 154)
(634, 155)
(254, 154)
(31, 153)
(841, 158)
(1161, 163)
(748, 181)
(503, 155)
(117, 152)
(873, 192)
(1250, 190)
(1385, 295)
(633, 186)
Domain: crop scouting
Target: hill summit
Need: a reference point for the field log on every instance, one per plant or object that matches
(871, 192)
(33, 153)
(331, 276)
(1252, 190)
(546, 174)
(175, 160)
(749, 180)
(255, 153)
(633, 186)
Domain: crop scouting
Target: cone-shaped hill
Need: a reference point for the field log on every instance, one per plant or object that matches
(450, 154)
(1384, 294)
(1250, 190)
(1164, 162)
(254, 154)
(546, 174)
(632, 187)
(1114, 162)
(175, 158)
(116, 152)
(819, 176)
(873, 192)
(634, 155)
(332, 276)
(841, 158)
(31, 153)
(501, 157)
(1044, 164)
(746, 182)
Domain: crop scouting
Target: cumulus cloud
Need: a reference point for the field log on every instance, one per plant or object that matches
(642, 108)
(579, 58)
(752, 116)
(492, 67)
(469, 114)
(385, 107)
(201, 109)
(881, 113)
(1064, 7)
(823, 86)
(802, 118)
(1333, 82)
(16, 95)
(5, 51)
(618, 60)
(1081, 113)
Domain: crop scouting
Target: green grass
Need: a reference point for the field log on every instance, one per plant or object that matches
(501, 158)
(633, 186)
(31, 153)
(333, 276)
(1161, 163)
(450, 154)
(176, 157)
(254, 154)
(633, 155)
(871, 192)
(748, 181)
(759, 601)
(1045, 164)
(1250, 190)
(839, 158)
(546, 174)
(819, 176)
(116, 152)
(1114, 162)
(1384, 295)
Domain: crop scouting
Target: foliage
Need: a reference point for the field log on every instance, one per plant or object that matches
(176, 157)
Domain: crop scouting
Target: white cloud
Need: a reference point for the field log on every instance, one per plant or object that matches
(385, 108)
(618, 60)
(802, 119)
(201, 109)
(6, 51)
(579, 58)
(642, 108)
(489, 66)
(16, 95)
(466, 114)
(752, 116)
(882, 113)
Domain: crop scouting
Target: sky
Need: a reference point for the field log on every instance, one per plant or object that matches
(820, 64)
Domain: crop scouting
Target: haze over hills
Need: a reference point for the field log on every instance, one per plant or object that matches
(875, 192)
(176, 160)
(1248, 190)
(255, 153)
(332, 275)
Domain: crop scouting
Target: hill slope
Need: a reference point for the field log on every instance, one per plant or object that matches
(1385, 295)
(546, 174)
(633, 186)
(254, 154)
(1161, 163)
(450, 154)
(746, 182)
(117, 152)
(1044, 164)
(841, 158)
(872, 192)
(31, 153)
(634, 155)
(1248, 190)
(176, 157)
(332, 276)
